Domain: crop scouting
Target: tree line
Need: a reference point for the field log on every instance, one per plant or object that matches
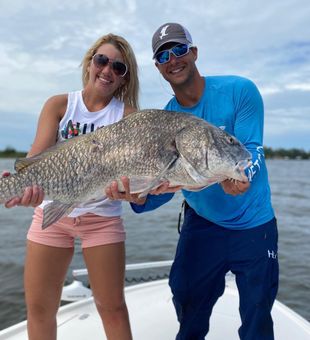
(10, 152)
(270, 153)
(286, 153)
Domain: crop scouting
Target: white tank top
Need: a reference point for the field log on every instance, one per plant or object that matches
(78, 120)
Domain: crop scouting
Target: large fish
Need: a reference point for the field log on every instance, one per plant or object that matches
(149, 147)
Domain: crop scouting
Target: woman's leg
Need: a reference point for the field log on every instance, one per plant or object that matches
(106, 271)
(45, 271)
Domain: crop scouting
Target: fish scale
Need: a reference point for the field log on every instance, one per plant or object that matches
(149, 147)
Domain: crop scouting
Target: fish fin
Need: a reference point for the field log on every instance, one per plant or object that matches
(159, 179)
(181, 140)
(194, 174)
(22, 163)
(198, 188)
(209, 181)
(53, 211)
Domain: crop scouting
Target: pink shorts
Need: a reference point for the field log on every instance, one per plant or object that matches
(93, 230)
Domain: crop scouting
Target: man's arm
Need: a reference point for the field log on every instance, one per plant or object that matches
(249, 124)
(248, 128)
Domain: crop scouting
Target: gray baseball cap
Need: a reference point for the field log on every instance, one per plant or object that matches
(170, 32)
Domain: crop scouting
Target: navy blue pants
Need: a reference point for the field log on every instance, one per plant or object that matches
(205, 253)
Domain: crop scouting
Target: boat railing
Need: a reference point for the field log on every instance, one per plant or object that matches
(77, 290)
(129, 267)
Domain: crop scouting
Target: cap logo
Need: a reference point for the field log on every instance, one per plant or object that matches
(163, 32)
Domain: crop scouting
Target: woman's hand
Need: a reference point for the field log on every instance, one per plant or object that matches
(32, 197)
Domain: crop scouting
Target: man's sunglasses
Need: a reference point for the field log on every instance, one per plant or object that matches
(101, 60)
(178, 51)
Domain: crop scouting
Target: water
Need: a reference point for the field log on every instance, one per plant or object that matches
(153, 236)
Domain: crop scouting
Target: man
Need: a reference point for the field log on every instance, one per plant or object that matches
(229, 226)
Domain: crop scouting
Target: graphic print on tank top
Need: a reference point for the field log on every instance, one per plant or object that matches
(75, 129)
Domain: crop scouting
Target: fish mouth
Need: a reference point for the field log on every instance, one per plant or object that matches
(241, 166)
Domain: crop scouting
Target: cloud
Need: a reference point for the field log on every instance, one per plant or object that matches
(301, 87)
(42, 44)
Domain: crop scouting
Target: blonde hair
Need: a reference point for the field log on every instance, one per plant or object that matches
(129, 91)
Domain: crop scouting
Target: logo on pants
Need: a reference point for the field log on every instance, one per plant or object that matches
(272, 254)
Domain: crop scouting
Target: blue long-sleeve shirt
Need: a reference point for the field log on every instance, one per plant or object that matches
(234, 104)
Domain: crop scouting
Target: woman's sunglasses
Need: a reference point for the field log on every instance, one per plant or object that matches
(178, 51)
(101, 60)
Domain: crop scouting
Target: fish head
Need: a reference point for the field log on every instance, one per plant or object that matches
(212, 155)
(227, 156)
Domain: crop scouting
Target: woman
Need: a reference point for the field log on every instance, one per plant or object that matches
(110, 92)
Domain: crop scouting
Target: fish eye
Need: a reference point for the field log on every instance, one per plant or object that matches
(231, 140)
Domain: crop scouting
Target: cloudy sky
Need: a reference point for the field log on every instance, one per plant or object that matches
(43, 42)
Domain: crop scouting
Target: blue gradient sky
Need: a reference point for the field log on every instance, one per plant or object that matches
(42, 44)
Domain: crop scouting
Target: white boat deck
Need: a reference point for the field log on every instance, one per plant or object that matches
(152, 317)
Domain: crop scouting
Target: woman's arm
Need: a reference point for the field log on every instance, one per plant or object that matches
(46, 135)
(128, 110)
(50, 116)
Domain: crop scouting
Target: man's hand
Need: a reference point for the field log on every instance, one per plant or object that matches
(113, 192)
(33, 196)
(235, 187)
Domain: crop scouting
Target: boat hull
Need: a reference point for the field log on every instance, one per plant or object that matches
(152, 317)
